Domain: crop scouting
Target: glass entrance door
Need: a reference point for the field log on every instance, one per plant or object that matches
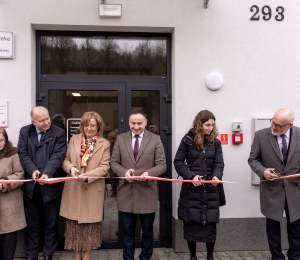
(67, 101)
(152, 98)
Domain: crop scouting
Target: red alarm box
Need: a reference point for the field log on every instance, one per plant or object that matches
(237, 138)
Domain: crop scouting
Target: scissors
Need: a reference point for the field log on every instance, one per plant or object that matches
(278, 174)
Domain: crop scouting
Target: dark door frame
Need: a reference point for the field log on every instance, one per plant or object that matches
(134, 83)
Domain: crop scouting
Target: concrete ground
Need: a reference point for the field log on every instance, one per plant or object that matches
(164, 254)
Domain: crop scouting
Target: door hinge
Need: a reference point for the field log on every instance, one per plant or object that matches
(167, 204)
(41, 96)
(167, 97)
(167, 129)
(167, 236)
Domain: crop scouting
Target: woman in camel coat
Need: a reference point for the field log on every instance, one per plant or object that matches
(12, 217)
(82, 200)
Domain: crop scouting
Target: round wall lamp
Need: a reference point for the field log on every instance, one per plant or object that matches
(214, 81)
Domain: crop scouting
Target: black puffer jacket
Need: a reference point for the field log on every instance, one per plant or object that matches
(199, 204)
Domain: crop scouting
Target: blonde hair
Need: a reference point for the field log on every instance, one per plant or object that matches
(87, 116)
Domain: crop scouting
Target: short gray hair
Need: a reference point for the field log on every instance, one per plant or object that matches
(289, 113)
(31, 114)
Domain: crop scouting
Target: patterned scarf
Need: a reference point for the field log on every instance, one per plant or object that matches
(87, 149)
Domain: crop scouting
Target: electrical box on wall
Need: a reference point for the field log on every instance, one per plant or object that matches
(237, 126)
(237, 138)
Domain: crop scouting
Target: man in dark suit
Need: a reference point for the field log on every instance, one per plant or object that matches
(139, 153)
(42, 149)
(276, 151)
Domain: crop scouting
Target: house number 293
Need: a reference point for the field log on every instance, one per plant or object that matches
(267, 13)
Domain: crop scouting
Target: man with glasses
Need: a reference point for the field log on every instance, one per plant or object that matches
(42, 149)
(275, 152)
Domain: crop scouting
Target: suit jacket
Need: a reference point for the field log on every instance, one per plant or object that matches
(265, 154)
(84, 201)
(46, 156)
(139, 197)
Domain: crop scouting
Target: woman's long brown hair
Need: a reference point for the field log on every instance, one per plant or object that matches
(196, 130)
(3, 132)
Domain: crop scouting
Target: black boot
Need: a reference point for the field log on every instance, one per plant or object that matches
(210, 257)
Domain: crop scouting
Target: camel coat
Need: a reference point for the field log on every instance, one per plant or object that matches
(84, 201)
(12, 217)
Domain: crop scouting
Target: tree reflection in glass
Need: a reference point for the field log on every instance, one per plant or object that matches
(101, 55)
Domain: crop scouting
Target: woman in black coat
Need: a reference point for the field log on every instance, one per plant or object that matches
(198, 204)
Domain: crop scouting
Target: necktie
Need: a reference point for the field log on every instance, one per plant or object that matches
(136, 146)
(284, 148)
(42, 134)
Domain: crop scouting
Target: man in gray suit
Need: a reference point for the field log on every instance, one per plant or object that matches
(276, 151)
(138, 153)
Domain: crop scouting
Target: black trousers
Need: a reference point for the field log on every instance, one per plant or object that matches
(34, 208)
(8, 243)
(274, 237)
(129, 223)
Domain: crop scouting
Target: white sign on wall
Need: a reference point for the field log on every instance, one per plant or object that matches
(72, 125)
(3, 113)
(259, 123)
(6, 45)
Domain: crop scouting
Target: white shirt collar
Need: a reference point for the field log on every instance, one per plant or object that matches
(38, 131)
(287, 134)
(140, 135)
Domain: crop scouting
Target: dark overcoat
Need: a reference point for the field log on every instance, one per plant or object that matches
(46, 156)
(199, 204)
(265, 154)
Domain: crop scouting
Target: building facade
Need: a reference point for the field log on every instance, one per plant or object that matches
(157, 55)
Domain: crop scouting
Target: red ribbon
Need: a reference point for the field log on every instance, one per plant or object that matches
(56, 180)
(12, 181)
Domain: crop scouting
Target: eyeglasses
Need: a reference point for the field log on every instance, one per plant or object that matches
(2, 141)
(90, 126)
(276, 125)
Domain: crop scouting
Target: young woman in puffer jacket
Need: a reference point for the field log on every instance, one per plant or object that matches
(200, 156)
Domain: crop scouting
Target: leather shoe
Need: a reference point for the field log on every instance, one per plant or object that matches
(210, 257)
(193, 258)
(49, 257)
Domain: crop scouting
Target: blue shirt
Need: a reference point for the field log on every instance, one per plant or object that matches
(39, 135)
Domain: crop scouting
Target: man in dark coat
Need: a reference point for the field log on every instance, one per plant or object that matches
(42, 149)
(274, 151)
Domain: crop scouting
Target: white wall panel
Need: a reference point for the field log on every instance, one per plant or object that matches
(259, 61)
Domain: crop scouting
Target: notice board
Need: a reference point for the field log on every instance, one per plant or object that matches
(3, 113)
